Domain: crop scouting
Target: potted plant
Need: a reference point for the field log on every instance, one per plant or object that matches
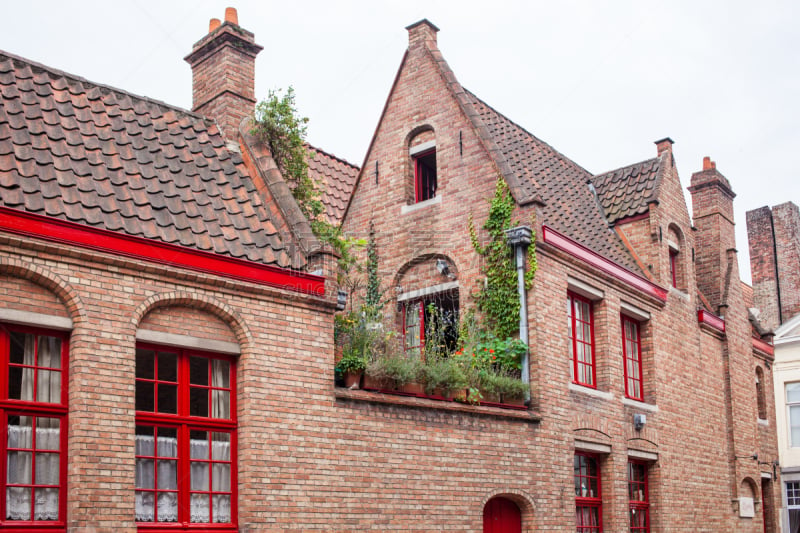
(512, 390)
(351, 367)
(443, 376)
(395, 370)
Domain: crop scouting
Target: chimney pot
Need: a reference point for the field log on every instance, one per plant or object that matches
(231, 15)
(707, 164)
(213, 25)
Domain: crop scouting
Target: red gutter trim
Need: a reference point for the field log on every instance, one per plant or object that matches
(61, 231)
(764, 347)
(709, 319)
(596, 260)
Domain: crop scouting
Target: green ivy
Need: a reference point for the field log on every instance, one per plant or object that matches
(499, 300)
(278, 124)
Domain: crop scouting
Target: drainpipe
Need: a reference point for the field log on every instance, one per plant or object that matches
(519, 238)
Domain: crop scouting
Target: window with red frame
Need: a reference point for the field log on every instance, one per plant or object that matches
(434, 315)
(581, 339)
(639, 502)
(588, 504)
(425, 175)
(185, 438)
(632, 347)
(673, 267)
(34, 407)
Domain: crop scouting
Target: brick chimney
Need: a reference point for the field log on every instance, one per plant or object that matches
(421, 31)
(712, 206)
(223, 74)
(664, 145)
(774, 237)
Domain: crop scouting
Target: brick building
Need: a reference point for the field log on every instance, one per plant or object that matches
(774, 238)
(169, 355)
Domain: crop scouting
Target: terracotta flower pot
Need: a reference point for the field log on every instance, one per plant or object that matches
(352, 380)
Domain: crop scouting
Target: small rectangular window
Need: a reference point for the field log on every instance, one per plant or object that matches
(638, 497)
(425, 175)
(673, 267)
(793, 405)
(793, 504)
(632, 348)
(581, 339)
(588, 502)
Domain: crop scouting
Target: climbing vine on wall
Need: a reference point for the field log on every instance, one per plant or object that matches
(498, 300)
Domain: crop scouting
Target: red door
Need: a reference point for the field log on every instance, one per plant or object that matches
(501, 516)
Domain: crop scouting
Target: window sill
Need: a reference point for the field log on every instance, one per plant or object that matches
(763, 422)
(574, 387)
(357, 395)
(640, 405)
(405, 209)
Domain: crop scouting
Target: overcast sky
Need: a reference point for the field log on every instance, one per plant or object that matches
(599, 81)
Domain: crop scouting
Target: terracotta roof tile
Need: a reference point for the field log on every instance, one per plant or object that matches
(90, 154)
(562, 186)
(627, 191)
(336, 178)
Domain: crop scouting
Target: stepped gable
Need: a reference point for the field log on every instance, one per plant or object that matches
(337, 179)
(629, 190)
(561, 185)
(90, 154)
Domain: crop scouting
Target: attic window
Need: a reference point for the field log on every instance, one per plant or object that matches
(425, 183)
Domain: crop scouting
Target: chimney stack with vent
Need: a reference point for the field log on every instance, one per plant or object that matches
(223, 74)
(712, 206)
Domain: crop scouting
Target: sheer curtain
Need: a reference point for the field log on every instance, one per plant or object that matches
(794, 520)
(167, 479)
(44, 458)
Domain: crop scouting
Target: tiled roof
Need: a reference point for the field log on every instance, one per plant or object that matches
(90, 154)
(336, 177)
(542, 173)
(627, 191)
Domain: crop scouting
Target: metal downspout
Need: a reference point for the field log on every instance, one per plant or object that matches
(520, 238)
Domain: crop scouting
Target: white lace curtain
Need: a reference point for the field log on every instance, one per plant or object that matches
(44, 459)
(794, 520)
(167, 469)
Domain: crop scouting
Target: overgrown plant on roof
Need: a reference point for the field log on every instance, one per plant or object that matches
(498, 301)
(278, 125)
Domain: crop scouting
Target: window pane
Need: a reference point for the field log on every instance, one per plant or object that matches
(198, 402)
(21, 348)
(46, 504)
(145, 474)
(145, 396)
(145, 440)
(221, 477)
(145, 364)
(47, 468)
(20, 432)
(793, 392)
(794, 423)
(220, 373)
(20, 383)
(167, 474)
(167, 398)
(167, 366)
(168, 507)
(200, 508)
(198, 371)
(47, 433)
(145, 507)
(167, 442)
(18, 503)
(198, 444)
(222, 508)
(221, 446)
(19, 468)
(48, 386)
(49, 352)
(220, 404)
(199, 475)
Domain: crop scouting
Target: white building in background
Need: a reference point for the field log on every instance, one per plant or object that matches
(787, 407)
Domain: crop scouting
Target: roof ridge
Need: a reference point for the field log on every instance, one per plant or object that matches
(332, 156)
(573, 163)
(94, 84)
(623, 167)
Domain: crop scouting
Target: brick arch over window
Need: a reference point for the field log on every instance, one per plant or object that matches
(419, 262)
(50, 281)
(524, 501)
(422, 182)
(203, 303)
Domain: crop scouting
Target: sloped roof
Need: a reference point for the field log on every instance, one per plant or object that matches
(627, 191)
(86, 153)
(561, 185)
(336, 178)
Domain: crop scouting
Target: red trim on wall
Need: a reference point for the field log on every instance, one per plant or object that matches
(709, 319)
(61, 231)
(596, 260)
(763, 346)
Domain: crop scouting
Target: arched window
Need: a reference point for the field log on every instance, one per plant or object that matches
(422, 150)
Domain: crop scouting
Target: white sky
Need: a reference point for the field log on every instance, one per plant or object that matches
(599, 81)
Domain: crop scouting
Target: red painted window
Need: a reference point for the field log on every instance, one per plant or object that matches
(425, 175)
(581, 340)
(185, 439)
(436, 316)
(33, 403)
(638, 497)
(632, 348)
(588, 503)
(673, 267)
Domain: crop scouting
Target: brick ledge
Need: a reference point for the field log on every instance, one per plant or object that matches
(424, 403)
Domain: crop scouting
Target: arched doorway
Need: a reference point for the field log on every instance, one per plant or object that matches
(501, 515)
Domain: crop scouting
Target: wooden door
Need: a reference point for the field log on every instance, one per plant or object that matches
(501, 515)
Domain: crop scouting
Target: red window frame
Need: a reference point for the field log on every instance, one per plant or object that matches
(35, 409)
(632, 364)
(673, 267)
(420, 305)
(588, 493)
(578, 343)
(638, 497)
(182, 423)
(425, 177)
